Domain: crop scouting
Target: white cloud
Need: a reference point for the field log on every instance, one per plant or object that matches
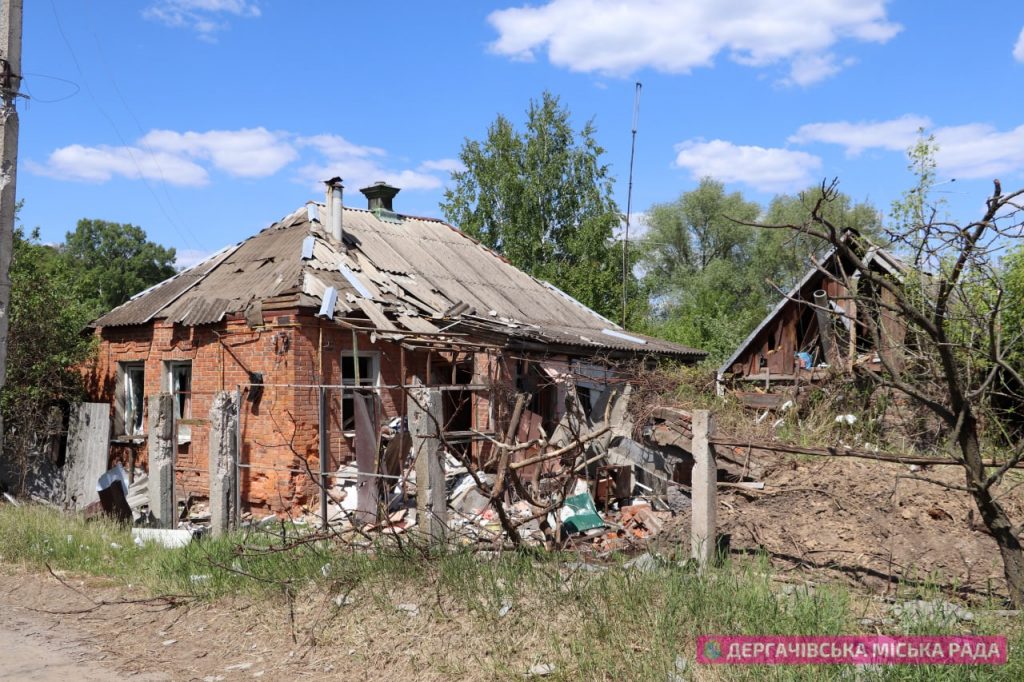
(978, 150)
(807, 69)
(201, 16)
(618, 38)
(763, 168)
(249, 152)
(1018, 48)
(974, 150)
(186, 158)
(102, 163)
(336, 146)
(638, 226)
(896, 134)
(360, 166)
(445, 165)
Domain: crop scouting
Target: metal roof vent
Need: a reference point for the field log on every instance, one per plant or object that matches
(334, 208)
(379, 197)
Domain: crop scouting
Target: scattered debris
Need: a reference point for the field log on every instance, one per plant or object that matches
(168, 537)
(541, 670)
(935, 609)
(579, 514)
(645, 563)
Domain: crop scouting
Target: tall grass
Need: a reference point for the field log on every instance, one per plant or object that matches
(517, 609)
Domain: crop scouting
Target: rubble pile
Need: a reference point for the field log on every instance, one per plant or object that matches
(589, 485)
(597, 482)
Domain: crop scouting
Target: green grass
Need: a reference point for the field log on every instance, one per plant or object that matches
(594, 625)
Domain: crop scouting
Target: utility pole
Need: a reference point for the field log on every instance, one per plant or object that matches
(10, 82)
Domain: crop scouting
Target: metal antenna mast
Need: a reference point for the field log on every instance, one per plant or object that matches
(629, 200)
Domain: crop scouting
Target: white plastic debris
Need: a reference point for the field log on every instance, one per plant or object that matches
(168, 537)
(846, 419)
(542, 670)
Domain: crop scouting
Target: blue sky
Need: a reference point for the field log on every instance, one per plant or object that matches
(204, 121)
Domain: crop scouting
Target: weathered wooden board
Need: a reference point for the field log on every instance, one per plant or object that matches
(88, 452)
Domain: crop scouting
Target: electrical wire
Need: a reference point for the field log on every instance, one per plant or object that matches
(128, 148)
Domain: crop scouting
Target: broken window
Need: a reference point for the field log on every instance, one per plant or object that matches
(361, 370)
(179, 383)
(133, 397)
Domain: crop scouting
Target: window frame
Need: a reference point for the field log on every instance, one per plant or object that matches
(125, 371)
(180, 408)
(346, 419)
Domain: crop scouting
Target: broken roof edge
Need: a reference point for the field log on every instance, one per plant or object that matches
(583, 350)
(534, 337)
(219, 256)
(572, 300)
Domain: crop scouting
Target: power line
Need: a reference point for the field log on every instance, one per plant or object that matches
(181, 231)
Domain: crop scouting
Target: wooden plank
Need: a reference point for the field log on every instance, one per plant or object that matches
(88, 451)
(366, 459)
(763, 401)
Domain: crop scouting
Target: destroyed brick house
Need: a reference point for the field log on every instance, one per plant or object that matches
(814, 328)
(330, 298)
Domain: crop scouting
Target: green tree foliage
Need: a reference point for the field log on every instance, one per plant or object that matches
(1013, 316)
(543, 198)
(713, 278)
(45, 346)
(695, 258)
(114, 261)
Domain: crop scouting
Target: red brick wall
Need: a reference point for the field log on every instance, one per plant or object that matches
(279, 433)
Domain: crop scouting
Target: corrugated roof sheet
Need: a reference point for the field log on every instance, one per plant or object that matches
(416, 270)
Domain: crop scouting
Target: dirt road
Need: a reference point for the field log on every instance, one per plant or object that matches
(41, 652)
(90, 629)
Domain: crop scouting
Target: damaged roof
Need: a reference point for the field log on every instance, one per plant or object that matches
(407, 276)
(873, 255)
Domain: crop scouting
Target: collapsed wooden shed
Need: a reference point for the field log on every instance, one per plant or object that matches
(815, 328)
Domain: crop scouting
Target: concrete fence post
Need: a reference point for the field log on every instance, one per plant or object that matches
(223, 415)
(426, 418)
(161, 459)
(705, 490)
